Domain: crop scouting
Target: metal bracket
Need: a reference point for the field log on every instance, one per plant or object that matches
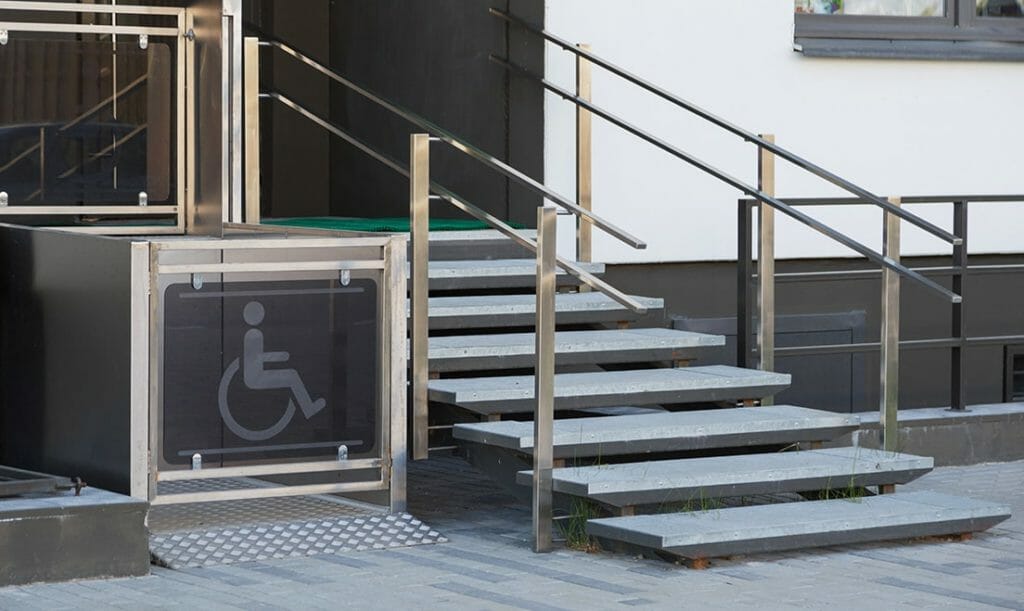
(345, 277)
(5, 37)
(143, 198)
(3, 198)
(144, 41)
(190, 35)
(342, 452)
(197, 284)
(197, 462)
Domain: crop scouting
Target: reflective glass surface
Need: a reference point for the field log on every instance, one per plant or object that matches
(257, 371)
(86, 122)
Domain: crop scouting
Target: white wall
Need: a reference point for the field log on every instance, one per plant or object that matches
(893, 127)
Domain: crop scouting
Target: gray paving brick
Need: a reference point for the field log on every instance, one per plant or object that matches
(488, 564)
(971, 597)
(495, 597)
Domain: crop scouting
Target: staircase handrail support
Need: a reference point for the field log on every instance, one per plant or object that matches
(746, 135)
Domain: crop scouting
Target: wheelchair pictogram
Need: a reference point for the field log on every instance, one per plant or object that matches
(256, 376)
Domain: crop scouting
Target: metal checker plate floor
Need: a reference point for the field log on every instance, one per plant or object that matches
(206, 534)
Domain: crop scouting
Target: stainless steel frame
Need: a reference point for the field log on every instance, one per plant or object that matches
(890, 366)
(544, 379)
(262, 256)
(419, 215)
(183, 78)
(584, 159)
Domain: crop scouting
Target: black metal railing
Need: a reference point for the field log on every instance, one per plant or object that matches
(959, 339)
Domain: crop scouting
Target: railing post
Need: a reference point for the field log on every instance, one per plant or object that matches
(890, 356)
(584, 159)
(544, 379)
(42, 165)
(419, 216)
(766, 262)
(745, 302)
(252, 129)
(957, 377)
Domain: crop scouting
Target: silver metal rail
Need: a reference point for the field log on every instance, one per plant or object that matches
(767, 203)
(544, 352)
(421, 189)
(463, 146)
(445, 194)
(745, 188)
(746, 135)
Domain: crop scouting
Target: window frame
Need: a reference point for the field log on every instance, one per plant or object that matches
(958, 34)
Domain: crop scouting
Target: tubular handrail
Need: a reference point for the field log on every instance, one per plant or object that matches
(748, 190)
(462, 204)
(908, 199)
(463, 146)
(734, 129)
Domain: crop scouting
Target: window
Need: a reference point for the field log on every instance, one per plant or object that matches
(922, 29)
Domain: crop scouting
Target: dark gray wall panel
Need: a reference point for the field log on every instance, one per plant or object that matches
(429, 57)
(65, 313)
(708, 290)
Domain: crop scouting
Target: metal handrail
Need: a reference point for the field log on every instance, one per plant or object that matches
(461, 145)
(464, 205)
(748, 190)
(734, 129)
(908, 199)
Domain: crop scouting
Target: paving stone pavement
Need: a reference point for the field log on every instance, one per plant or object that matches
(488, 565)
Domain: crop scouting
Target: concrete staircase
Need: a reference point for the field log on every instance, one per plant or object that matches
(677, 457)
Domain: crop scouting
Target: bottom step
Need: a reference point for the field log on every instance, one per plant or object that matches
(788, 526)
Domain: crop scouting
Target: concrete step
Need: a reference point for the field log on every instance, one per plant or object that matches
(479, 244)
(667, 431)
(495, 274)
(494, 311)
(696, 479)
(516, 350)
(512, 394)
(788, 526)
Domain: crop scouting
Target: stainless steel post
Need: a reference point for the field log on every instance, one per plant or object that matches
(419, 215)
(766, 262)
(584, 159)
(544, 379)
(252, 130)
(890, 356)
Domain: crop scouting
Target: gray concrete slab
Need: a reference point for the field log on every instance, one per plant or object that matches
(698, 479)
(495, 274)
(61, 536)
(516, 350)
(474, 312)
(667, 431)
(983, 433)
(788, 526)
(512, 394)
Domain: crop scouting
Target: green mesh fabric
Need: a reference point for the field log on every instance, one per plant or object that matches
(385, 225)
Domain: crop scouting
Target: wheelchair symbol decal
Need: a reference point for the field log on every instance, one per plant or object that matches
(256, 376)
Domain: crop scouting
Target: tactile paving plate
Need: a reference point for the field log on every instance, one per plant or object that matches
(183, 549)
(205, 534)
